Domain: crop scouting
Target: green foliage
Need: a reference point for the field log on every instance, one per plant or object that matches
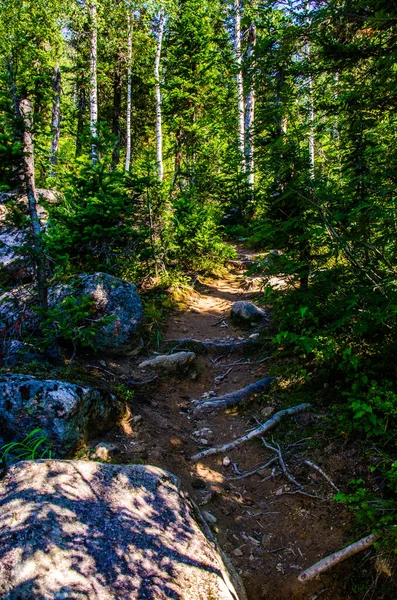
(34, 445)
(72, 320)
(197, 241)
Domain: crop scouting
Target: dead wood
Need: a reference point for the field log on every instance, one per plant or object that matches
(337, 557)
(256, 470)
(269, 424)
(276, 448)
(233, 397)
(319, 470)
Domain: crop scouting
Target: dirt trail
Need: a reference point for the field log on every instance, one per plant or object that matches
(269, 534)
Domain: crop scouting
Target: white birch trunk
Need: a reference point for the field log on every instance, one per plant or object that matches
(250, 113)
(159, 132)
(311, 119)
(93, 84)
(240, 90)
(129, 94)
(56, 120)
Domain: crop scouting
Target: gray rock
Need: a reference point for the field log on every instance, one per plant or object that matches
(210, 518)
(103, 451)
(78, 529)
(169, 363)
(15, 246)
(246, 311)
(16, 352)
(68, 414)
(113, 297)
(16, 311)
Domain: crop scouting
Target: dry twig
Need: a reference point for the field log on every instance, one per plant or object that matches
(256, 470)
(317, 468)
(280, 457)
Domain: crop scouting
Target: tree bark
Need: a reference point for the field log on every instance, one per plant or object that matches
(233, 398)
(311, 118)
(116, 129)
(56, 119)
(239, 77)
(269, 424)
(81, 106)
(250, 111)
(25, 111)
(129, 94)
(337, 557)
(159, 132)
(93, 84)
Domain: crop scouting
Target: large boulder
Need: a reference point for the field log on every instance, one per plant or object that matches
(78, 529)
(16, 313)
(113, 297)
(15, 243)
(68, 414)
(247, 312)
(169, 363)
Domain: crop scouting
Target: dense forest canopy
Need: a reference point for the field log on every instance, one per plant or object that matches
(169, 128)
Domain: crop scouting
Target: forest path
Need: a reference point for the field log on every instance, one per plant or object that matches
(268, 534)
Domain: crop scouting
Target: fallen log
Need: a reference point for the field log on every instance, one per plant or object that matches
(269, 424)
(233, 398)
(337, 557)
(202, 347)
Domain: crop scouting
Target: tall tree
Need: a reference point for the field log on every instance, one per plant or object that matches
(157, 79)
(250, 107)
(239, 78)
(56, 119)
(93, 82)
(129, 92)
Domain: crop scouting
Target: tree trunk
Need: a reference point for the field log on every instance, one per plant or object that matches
(250, 112)
(116, 130)
(56, 119)
(129, 94)
(240, 90)
(81, 106)
(159, 133)
(25, 112)
(311, 118)
(93, 85)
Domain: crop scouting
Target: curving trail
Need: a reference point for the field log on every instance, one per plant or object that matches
(269, 533)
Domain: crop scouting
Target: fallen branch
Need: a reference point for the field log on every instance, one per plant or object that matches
(269, 424)
(249, 473)
(337, 557)
(280, 457)
(317, 468)
(233, 397)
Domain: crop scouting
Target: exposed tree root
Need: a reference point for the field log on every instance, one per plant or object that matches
(201, 347)
(337, 557)
(269, 424)
(233, 397)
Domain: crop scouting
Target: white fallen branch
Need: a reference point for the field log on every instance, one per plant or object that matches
(249, 473)
(281, 460)
(233, 398)
(337, 557)
(319, 470)
(269, 424)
